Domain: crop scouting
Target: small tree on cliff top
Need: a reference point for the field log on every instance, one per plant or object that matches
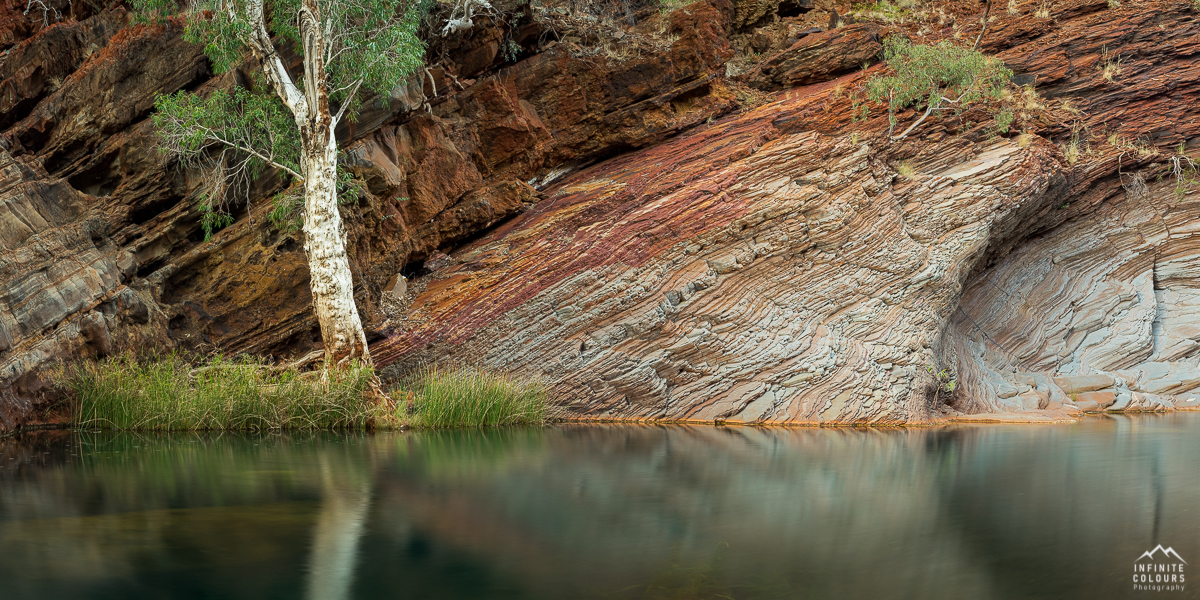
(934, 77)
(346, 47)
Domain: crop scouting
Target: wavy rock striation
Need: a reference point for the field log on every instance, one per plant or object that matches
(634, 230)
(771, 268)
(102, 251)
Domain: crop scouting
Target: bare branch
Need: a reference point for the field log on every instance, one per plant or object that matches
(346, 103)
(241, 148)
(983, 25)
(272, 65)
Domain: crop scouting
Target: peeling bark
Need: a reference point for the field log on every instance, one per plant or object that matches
(324, 241)
(324, 237)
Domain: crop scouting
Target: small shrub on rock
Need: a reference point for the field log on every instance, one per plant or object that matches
(935, 77)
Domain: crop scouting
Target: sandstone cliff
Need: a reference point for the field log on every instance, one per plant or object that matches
(673, 220)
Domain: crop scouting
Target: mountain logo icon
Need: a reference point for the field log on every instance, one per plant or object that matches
(1168, 552)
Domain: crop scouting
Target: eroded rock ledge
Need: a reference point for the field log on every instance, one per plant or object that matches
(714, 262)
(773, 267)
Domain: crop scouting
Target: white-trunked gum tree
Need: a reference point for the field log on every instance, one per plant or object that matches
(285, 120)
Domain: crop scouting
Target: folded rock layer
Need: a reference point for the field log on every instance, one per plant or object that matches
(657, 234)
(773, 268)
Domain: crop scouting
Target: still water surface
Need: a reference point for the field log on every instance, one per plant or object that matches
(602, 512)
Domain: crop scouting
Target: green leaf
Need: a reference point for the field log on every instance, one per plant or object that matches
(936, 75)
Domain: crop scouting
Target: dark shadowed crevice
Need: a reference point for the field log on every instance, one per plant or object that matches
(414, 269)
(793, 8)
(146, 212)
(151, 266)
(100, 180)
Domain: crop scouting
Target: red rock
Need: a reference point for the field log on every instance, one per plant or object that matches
(763, 266)
(95, 224)
(818, 57)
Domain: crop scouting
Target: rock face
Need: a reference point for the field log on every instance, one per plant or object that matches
(763, 268)
(102, 251)
(655, 239)
(771, 268)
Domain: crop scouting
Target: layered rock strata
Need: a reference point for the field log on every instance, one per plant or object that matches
(102, 251)
(686, 244)
(773, 267)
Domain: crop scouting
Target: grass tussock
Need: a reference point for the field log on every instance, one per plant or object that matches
(465, 397)
(167, 393)
(171, 394)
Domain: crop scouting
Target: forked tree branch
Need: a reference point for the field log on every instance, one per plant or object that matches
(272, 65)
(214, 136)
(938, 106)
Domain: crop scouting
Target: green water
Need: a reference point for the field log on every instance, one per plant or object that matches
(602, 512)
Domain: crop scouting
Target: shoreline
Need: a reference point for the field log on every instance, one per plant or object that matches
(1056, 418)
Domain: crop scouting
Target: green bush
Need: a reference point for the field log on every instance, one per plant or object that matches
(467, 397)
(935, 78)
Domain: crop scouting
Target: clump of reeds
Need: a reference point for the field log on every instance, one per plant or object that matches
(161, 393)
(168, 393)
(468, 397)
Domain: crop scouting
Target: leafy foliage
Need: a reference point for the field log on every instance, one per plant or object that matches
(935, 77)
(945, 380)
(232, 136)
(369, 43)
(1004, 120)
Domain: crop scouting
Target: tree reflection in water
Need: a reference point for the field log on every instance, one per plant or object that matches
(600, 511)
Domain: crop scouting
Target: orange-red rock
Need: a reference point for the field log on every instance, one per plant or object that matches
(672, 258)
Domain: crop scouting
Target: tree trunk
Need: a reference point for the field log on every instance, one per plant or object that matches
(324, 241)
(324, 238)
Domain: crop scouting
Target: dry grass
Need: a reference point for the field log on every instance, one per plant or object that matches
(1110, 69)
(1073, 151)
(884, 11)
(905, 169)
(1069, 108)
(1042, 12)
(1030, 100)
(595, 30)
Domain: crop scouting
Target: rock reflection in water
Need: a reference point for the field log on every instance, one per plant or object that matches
(601, 511)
